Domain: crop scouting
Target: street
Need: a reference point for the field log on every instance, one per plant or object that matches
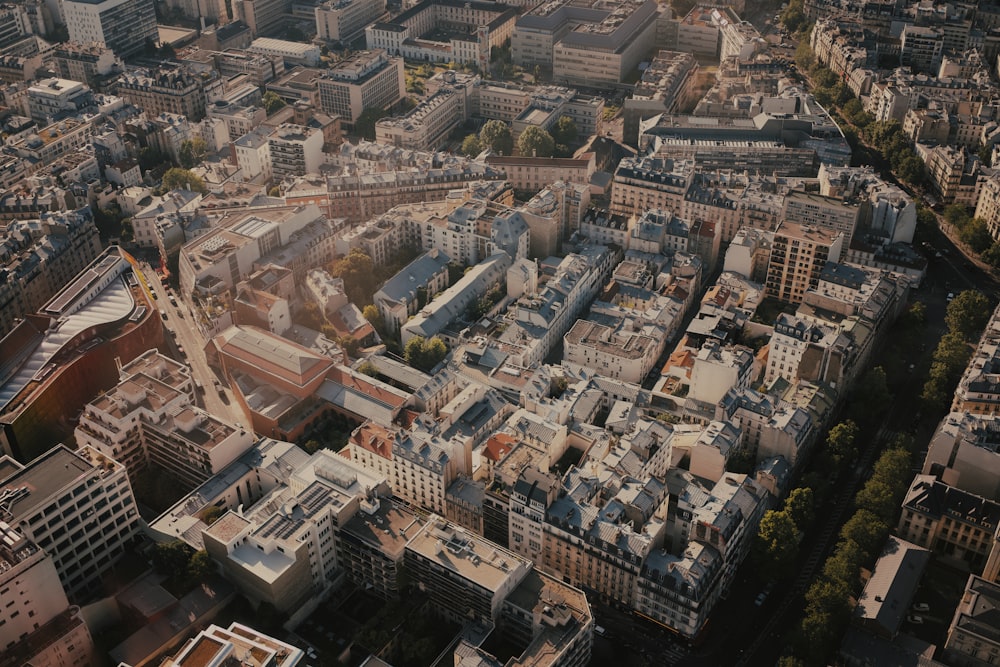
(185, 344)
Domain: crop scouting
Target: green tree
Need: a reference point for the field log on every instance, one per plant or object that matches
(776, 544)
(200, 567)
(364, 126)
(373, 315)
(878, 498)
(535, 141)
(424, 354)
(183, 179)
(844, 564)
(565, 131)
(804, 57)
(210, 514)
(829, 596)
(170, 558)
(794, 17)
(840, 442)
(867, 530)
(799, 505)
(368, 368)
(358, 273)
(968, 313)
(192, 152)
(893, 468)
(272, 102)
(911, 168)
(471, 146)
(495, 135)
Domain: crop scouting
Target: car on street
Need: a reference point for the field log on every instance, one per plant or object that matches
(915, 619)
(921, 607)
(760, 599)
(951, 295)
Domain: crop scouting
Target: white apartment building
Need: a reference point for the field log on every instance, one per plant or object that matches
(622, 355)
(151, 418)
(295, 150)
(78, 507)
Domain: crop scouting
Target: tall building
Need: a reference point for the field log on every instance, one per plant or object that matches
(165, 90)
(78, 506)
(827, 212)
(343, 20)
(798, 254)
(37, 624)
(366, 80)
(124, 26)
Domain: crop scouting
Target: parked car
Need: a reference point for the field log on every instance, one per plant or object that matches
(760, 599)
(921, 607)
(915, 620)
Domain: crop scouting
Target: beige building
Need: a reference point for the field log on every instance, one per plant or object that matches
(535, 173)
(830, 213)
(366, 80)
(978, 390)
(151, 417)
(973, 639)
(156, 91)
(798, 254)
(613, 353)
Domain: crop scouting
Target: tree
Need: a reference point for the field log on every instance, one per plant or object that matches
(799, 505)
(183, 179)
(565, 131)
(368, 368)
(424, 354)
(878, 498)
(471, 146)
(210, 514)
(358, 273)
(867, 530)
(192, 152)
(794, 17)
(804, 57)
(845, 563)
(829, 596)
(373, 315)
(893, 468)
(272, 102)
(172, 557)
(274, 191)
(495, 135)
(968, 313)
(536, 142)
(200, 567)
(840, 442)
(776, 544)
(364, 126)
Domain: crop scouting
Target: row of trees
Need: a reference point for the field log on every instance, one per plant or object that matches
(830, 599)
(974, 233)
(966, 317)
(424, 354)
(496, 136)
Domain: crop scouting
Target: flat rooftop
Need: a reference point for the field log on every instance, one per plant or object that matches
(41, 479)
(472, 557)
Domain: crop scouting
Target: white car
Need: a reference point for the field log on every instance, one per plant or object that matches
(951, 295)
(915, 620)
(922, 607)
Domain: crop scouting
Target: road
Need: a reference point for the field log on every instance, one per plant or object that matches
(186, 345)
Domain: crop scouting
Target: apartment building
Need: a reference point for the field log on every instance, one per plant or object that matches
(53, 99)
(665, 85)
(172, 90)
(972, 636)
(963, 453)
(955, 174)
(215, 645)
(535, 173)
(450, 564)
(800, 346)
(341, 21)
(50, 143)
(978, 390)
(295, 150)
(400, 296)
(798, 254)
(283, 549)
(366, 80)
(612, 352)
(951, 522)
(152, 418)
(419, 467)
(445, 31)
(829, 213)
(124, 26)
(78, 507)
(39, 257)
(425, 127)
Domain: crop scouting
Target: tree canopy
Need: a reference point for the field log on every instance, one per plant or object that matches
(183, 179)
(358, 273)
(471, 146)
(272, 102)
(968, 313)
(424, 354)
(535, 142)
(496, 136)
(192, 152)
(776, 544)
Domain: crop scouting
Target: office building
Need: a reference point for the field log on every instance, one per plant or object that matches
(366, 80)
(340, 21)
(78, 507)
(295, 150)
(127, 27)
